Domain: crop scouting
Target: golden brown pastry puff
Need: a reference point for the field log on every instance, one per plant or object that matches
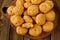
(27, 25)
(33, 10)
(18, 10)
(21, 31)
(36, 1)
(48, 27)
(46, 6)
(10, 10)
(50, 16)
(19, 2)
(36, 31)
(27, 4)
(28, 19)
(40, 19)
(16, 20)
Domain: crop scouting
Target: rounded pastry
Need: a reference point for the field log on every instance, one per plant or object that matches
(33, 10)
(19, 2)
(36, 1)
(27, 25)
(10, 10)
(16, 20)
(50, 16)
(40, 19)
(36, 31)
(28, 19)
(48, 27)
(21, 31)
(46, 6)
(27, 4)
(50, 3)
(18, 10)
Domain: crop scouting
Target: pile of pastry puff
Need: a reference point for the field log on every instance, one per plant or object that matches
(32, 17)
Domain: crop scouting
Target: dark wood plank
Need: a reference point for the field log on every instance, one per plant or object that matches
(5, 29)
(1, 1)
(56, 33)
(6, 3)
(14, 36)
(25, 38)
(36, 39)
(47, 38)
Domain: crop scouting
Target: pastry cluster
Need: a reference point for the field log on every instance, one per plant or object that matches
(32, 17)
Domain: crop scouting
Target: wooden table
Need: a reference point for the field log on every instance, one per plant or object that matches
(8, 33)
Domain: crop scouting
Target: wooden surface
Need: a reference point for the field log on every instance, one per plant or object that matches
(8, 33)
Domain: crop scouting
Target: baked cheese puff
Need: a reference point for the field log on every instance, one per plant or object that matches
(46, 6)
(48, 27)
(40, 19)
(25, 13)
(21, 31)
(16, 20)
(33, 10)
(27, 25)
(50, 3)
(10, 10)
(50, 16)
(35, 31)
(18, 10)
(27, 4)
(27, 0)
(28, 19)
(19, 2)
(36, 1)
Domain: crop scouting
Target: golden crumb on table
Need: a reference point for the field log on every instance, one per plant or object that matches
(19, 2)
(48, 27)
(27, 0)
(40, 19)
(27, 4)
(10, 10)
(27, 25)
(35, 31)
(18, 10)
(46, 6)
(28, 19)
(36, 1)
(21, 31)
(50, 16)
(33, 10)
(25, 13)
(16, 20)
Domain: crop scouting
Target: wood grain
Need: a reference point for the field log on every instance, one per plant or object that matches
(14, 36)
(5, 30)
(47, 38)
(25, 38)
(55, 35)
(9, 33)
